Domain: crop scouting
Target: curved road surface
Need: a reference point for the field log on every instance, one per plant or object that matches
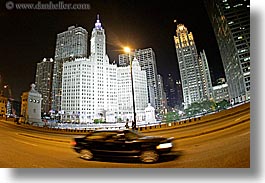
(220, 143)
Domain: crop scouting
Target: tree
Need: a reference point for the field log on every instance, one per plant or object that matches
(99, 120)
(223, 104)
(172, 116)
(200, 108)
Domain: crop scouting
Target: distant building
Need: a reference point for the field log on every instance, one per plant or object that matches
(220, 81)
(193, 73)
(221, 92)
(124, 91)
(231, 23)
(43, 81)
(31, 106)
(179, 103)
(162, 93)
(16, 107)
(3, 105)
(147, 61)
(70, 44)
(13, 107)
(171, 91)
(207, 89)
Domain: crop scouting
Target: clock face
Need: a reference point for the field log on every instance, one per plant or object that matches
(100, 39)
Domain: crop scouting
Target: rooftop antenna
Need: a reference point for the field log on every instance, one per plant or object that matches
(98, 24)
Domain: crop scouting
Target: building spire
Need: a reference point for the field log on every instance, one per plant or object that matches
(98, 24)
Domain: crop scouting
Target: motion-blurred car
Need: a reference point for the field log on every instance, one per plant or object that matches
(122, 144)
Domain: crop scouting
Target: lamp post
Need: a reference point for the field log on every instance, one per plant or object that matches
(128, 50)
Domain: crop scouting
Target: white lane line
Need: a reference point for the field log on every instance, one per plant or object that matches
(26, 143)
(243, 134)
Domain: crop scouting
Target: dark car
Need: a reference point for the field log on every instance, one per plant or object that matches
(122, 144)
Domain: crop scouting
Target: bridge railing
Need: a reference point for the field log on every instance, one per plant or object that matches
(147, 128)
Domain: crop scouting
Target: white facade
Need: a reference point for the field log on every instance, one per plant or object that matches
(125, 92)
(105, 74)
(92, 88)
(150, 114)
(77, 90)
(34, 105)
(89, 86)
(147, 61)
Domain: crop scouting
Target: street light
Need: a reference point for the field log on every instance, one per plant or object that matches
(128, 50)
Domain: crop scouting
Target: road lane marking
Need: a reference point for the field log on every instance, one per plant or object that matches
(44, 138)
(26, 143)
(243, 134)
(242, 117)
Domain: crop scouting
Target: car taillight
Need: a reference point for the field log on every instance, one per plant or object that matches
(73, 143)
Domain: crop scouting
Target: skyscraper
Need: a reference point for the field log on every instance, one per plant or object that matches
(171, 91)
(179, 102)
(231, 23)
(147, 60)
(105, 74)
(43, 81)
(69, 45)
(193, 69)
(162, 93)
(207, 91)
(89, 85)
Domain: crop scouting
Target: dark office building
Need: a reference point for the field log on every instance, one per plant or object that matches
(171, 91)
(231, 23)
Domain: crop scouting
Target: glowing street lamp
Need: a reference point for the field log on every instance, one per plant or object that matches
(128, 50)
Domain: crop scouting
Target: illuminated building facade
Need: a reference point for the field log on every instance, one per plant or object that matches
(221, 92)
(89, 85)
(194, 69)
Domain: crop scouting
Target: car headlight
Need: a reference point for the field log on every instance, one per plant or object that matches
(164, 145)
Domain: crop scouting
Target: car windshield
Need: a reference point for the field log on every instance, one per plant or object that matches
(133, 135)
(127, 134)
(101, 135)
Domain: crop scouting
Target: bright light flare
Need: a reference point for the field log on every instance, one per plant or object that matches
(164, 145)
(127, 49)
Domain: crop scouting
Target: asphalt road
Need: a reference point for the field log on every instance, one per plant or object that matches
(220, 143)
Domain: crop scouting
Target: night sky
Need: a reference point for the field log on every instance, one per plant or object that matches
(27, 36)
